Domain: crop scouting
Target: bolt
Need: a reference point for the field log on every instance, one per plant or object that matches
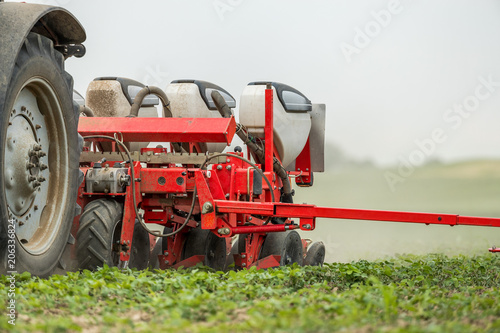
(42, 154)
(167, 262)
(224, 231)
(23, 108)
(243, 265)
(38, 127)
(250, 218)
(219, 167)
(21, 223)
(30, 165)
(41, 179)
(35, 208)
(207, 208)
(166, 253)
(128, 242)
(228, 160)
(243, 256)
(36, 184)
(172, 216)
(31, 178)
(307, 226)
(32, 153)
(227, 195)
(228, 167)
(37, 147)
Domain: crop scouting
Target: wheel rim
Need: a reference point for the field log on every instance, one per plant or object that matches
(36, 166)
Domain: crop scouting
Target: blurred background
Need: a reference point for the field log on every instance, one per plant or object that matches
(392, 74)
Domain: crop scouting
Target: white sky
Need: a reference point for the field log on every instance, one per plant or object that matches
(393, 92)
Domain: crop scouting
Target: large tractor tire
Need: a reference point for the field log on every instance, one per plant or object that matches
(39, 154)
(287, 244)
(99, 234)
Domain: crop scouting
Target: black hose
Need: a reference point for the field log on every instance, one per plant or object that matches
(132, 176)
(139, 98)
(86, 111)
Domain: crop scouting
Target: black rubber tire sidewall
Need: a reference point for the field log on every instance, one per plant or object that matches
(42, 65)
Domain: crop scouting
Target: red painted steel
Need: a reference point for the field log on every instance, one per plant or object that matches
(269, 135)
(190, 262)
(303, 166)
(267, 262)
(208, 218)
(161, 129)
(311, 211)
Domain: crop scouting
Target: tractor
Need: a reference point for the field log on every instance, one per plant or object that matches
(136, 176)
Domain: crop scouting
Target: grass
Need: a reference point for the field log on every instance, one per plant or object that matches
(389, 293)
(433, 293)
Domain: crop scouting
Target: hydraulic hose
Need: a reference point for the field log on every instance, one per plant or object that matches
(139, 98)
(86, 111)
(132, 178)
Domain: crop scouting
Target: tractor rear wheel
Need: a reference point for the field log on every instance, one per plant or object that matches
(39, 150)
(204, 242)
(99, 235)
(287, 244)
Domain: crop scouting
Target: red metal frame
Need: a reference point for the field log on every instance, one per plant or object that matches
(269, 128)
(226, 203)
(160, 129)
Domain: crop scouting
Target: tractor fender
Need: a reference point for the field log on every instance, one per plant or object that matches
(17, 20)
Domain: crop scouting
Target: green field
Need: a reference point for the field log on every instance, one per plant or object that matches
(387, 288)
(407, 294)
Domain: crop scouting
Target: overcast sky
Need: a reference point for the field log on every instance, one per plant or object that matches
(390, 72)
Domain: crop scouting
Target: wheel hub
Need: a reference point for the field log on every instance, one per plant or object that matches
(26, 165)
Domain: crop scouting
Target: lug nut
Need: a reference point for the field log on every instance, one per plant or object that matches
(41, 179)
(37, 147)
(43, 166)
(30, 165)
(36, 184)
(31, 178)
(42, 154)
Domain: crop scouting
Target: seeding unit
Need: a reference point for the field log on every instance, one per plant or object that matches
(214, 207)
(177, 203)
